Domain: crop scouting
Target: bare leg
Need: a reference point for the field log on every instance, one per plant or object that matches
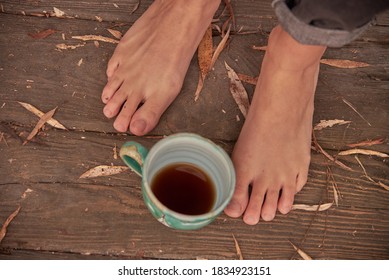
(149, 64)
(272, 153)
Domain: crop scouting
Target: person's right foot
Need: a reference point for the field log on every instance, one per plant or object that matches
(149, 65)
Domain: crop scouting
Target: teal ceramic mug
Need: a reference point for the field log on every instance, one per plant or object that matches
(203, 161)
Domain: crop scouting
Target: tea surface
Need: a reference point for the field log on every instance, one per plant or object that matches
(184, 188)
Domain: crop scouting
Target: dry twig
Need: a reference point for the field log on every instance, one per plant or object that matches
(3, 230)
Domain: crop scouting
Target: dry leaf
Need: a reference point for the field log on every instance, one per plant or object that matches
(238, 91)
(329, 123)
(3, 230)
(205, 50)
(24, 195)
(103, 170)
(321, 207)
(58, 13)
(261, 48)
(369, 178)
(115, 152)
(53, 122)
(115, 33)
(99, 19)
(39, 125)
(204, 54)
(96, 38)
(355, 110)
(336, 197)
(363, 152)
(367, 143)
(220, 47)
(68, 47)
(248, 79)
(80, 62)
(331, 158)
(43, 34)
(304, 255)
(134, 8)
(231, 11)
(238, 251)
(344, 63)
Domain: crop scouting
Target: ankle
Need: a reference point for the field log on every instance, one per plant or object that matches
(288, 54)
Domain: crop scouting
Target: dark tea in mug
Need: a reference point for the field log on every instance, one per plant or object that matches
(184, 188)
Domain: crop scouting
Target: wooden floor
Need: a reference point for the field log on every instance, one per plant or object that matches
(65, 217)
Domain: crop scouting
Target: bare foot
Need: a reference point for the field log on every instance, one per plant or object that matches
(150, 63)
(272, 153)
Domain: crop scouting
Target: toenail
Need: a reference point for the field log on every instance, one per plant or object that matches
(233, 207)
(251, 220)
(138, 126)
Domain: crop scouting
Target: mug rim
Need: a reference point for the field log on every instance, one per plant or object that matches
(185, 217)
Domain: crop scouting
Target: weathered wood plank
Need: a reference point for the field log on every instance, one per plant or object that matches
(62, 156)
(250, 15)
(76, 89)
(91, 219)
(107, 216)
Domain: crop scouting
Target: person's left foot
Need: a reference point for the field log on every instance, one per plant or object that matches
(272, 153)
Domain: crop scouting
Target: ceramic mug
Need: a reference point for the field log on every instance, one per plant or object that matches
(187, 149)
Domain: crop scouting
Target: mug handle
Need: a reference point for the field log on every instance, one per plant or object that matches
(134, 155)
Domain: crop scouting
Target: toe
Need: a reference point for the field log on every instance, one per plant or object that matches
(269, 207)
(253, 211)
(286, 200)
(148, 115)
(238, 201)
(110, 89)
(113, 106)
(123, 119)
(113, 64)
(301, 179)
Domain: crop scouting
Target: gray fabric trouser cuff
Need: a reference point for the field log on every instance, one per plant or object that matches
(309, 34)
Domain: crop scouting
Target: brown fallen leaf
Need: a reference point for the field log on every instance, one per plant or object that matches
(134, 8)
(39, 125)
(43, 34)
(115, 152)
(367, 143)
(344, 63)
(363, 152)
(53, 122)
(205, 50)
(319, 149)
(68, 47)
(248, 79)
(204, 55)
(3, 230)
(115, 33)
(96, 38)
(335, 188)
(304, 255)
(369, 178)
(99, 19)
(58, 13)
(313, 208)
(329, 123)
(231, 11)
(260, 48)
(103, 170)
(355, 110)
(238, 91)
(237, 247)
(220, 47)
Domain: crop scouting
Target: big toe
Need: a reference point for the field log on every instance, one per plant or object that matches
(239, 201)
(147, 116)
